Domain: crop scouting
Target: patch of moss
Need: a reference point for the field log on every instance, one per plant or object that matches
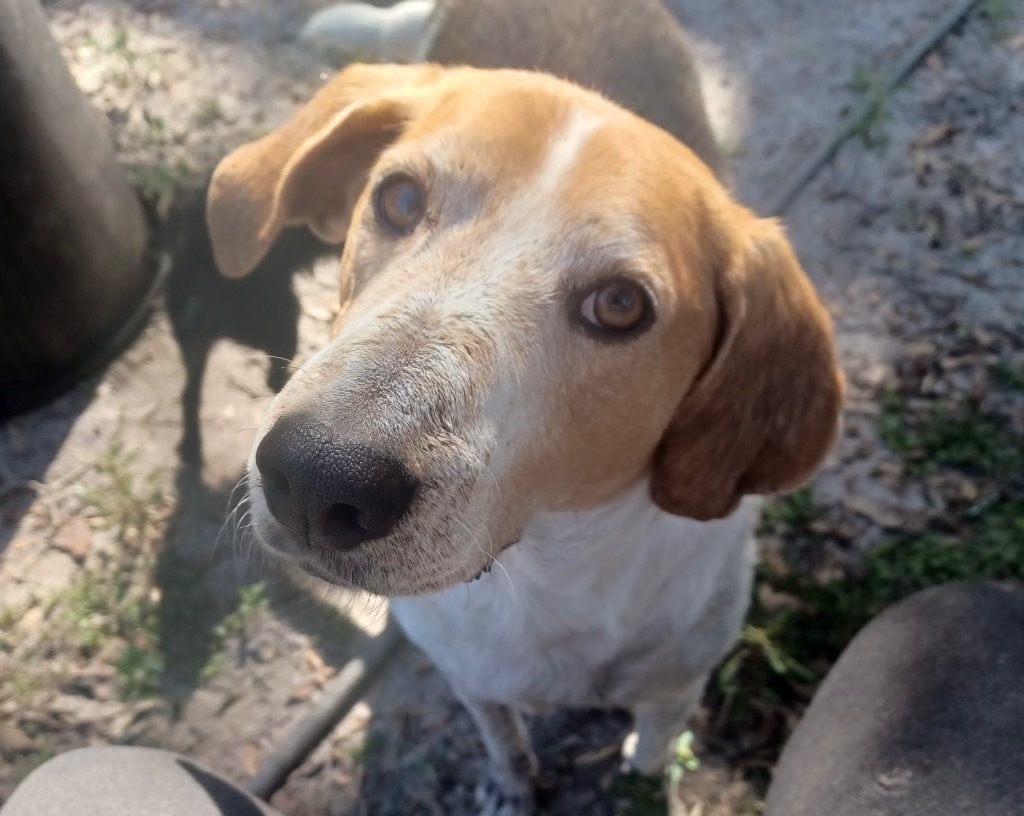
(1010, 377)
(999, 15)
(958, 437)
(793, 511)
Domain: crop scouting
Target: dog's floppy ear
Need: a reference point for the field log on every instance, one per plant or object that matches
(312, 169)
(763, 415)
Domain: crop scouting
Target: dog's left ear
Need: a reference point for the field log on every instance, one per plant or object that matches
(763, 415)
(312, 169)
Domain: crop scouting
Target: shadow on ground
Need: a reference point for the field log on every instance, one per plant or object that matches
(28, 445)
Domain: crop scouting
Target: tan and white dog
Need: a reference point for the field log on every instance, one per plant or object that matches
(563, 349)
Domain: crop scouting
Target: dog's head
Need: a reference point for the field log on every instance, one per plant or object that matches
(544, 300)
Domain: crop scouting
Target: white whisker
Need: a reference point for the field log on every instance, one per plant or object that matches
(486, 554)
(496, 485)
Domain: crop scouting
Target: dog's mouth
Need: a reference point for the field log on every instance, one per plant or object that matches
(481, 574)
(490, 564)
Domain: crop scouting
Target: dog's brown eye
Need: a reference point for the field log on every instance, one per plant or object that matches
(400, 203)
(620, 306)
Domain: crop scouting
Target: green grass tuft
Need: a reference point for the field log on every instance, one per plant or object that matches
(1010, 377)
(870, 84)
(794, 510)
(999, 15)
(961, 438)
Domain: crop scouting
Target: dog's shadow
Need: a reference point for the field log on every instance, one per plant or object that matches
(207, 592)
(28, 445)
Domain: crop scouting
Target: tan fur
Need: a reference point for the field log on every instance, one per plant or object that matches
(762, 418)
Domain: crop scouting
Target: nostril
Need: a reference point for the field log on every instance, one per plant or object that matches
(343, 526)
(275, 479)
(344, 518)
(346, 525)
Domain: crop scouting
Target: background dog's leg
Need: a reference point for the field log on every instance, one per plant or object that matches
(656, 728)
(513, 765)
(190, 447)
(283, 342)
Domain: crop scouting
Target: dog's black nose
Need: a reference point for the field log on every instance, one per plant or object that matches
(327, 492)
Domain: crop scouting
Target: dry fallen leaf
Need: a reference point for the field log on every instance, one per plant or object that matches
(74, 538)
(303, 691)
(251, 758)
(936, 134)
(873, 510)
(598, 754)
(313, 658)
(15, 741)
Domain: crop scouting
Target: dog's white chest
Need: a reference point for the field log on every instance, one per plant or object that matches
(591, 608)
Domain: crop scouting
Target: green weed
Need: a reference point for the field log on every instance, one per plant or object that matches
(999, 15)
(120, 43)
(683, 758)
(252, 598)
(126, 502)
(794, 510)
(87, 611)
(208, 112)
(960, 437)
(639, 795)
(9, 618)
(871, 85)
(23, 685)
(158, 182)
(1009, 376)
(113, 599)
(140, 671)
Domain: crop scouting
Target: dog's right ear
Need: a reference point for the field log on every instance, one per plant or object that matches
(312, 169)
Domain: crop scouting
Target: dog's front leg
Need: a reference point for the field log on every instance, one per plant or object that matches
(513, 765)
(195, 354)
(657, 726)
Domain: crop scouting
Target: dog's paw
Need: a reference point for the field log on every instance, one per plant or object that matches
(495, 799)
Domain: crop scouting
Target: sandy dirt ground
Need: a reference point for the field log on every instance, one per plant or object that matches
(132, 612)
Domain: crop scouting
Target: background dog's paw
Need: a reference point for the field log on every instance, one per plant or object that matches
(495, 799)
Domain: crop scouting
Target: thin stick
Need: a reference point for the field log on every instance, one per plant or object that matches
(337, 699)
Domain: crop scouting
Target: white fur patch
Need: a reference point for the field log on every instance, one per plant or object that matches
(579, 593)
(566, 148)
